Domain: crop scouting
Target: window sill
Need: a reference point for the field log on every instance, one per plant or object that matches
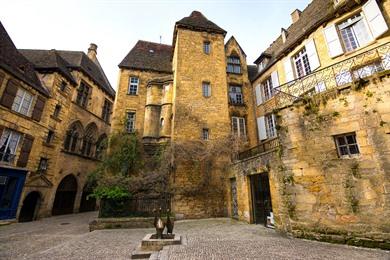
(234, 73)
(48, 144)
(132, 94)
(55, 118)
(346, 157)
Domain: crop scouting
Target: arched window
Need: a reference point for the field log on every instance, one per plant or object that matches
(89, 140)
(72, 137)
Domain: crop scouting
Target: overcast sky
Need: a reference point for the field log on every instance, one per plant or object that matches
(115, 26)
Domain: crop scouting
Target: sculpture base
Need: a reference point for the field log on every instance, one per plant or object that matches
(150, 244)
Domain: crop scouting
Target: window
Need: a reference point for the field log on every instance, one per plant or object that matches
(268, 89)
(63, 86)
(233, 64)
(8, 145)
(71, 139)
(302, 65)
(82, 95)
(354, 32)
(130, 122)
(238, 126)
(206, 47)
(57, 111)
(22, 102)
(50, 137)
(347, 144)
(42, 167)
(206, 89)
(133, 86)
(235, 94)
(161, 122)
(205, 134)
(106, 113)
(270, 125)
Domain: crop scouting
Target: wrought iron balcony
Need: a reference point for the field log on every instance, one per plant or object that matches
(7, 157)
(264, 147)
(344, 73)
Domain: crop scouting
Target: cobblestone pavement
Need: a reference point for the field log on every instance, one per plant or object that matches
(68, 237)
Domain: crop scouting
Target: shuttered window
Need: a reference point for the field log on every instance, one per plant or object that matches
(301, 62)
(354, 32)
(25, 150)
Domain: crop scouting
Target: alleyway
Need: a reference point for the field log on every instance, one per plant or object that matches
(68, 237)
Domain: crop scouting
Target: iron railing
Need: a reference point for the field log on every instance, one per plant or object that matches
(7, 157)
(343, 73)
(266, 146)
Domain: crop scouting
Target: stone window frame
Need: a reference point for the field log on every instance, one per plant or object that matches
(63, 85)
(206, 47)
(21, 103)
(206, 89)
(236, 97)
(344, 147)
(233, 63)
(83, 94)
(130, 122)
(205, 134)
(133, 86)
(43, 165)
(239, 126)
(50, 137)
(57, 111)
(106, 110)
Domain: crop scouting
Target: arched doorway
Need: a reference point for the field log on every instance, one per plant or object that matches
(65, 196)
(30, 207)
(87, 203)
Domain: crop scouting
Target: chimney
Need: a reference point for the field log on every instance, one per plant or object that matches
(92, 51)
(295, 15)
(284, 35)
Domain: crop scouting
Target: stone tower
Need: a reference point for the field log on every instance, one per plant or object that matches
(200, 108)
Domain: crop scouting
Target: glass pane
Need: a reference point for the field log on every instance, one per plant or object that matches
(353, 149)
(341, 140)
(343, 150)
(351, 139)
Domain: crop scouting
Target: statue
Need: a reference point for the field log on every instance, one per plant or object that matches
(160, 226)
(170, 223)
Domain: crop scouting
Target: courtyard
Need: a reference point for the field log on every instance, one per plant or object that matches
(68, 237)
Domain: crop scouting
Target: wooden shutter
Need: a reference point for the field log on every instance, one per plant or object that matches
(7, 99)
(375, 19)
(25, 151)
(312, 55)
(261, 128)
(333, 41)
(288, 70)
(38, 109)
(259, 98)
(275, 79)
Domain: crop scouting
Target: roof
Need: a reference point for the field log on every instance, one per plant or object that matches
(16, 64)
(77, 60)
(149, 56)
(160, 80)
(49, 60)
(252, 71)
(197, 21)
(315, 14)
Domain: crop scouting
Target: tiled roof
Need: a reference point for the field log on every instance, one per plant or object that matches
(149, 56)
(197, 21)
(315, 14)
(15, 63)
(78, 60)
(49, 60)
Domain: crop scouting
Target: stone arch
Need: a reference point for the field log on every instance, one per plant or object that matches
(101, 146)
(30, 206)
(89, 140)
(65, 196)
(87, 203)
(73, 134)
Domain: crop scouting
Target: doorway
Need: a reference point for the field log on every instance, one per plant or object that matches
(30, 207)
(65, 196)
(87, 203)
(261, 198)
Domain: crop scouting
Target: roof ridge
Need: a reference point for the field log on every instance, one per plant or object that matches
(154, 43)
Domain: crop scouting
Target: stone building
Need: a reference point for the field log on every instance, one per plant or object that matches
(55, 120)
(197, 89)
(321, 93)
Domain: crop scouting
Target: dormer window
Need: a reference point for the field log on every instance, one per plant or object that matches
(233, 65)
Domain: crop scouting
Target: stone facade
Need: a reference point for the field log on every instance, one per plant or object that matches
(43, 154)
(316, 190)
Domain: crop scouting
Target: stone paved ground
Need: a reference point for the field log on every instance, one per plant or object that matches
(68, 237)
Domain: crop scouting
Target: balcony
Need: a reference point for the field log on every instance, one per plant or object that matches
(267, 146)
(344, 73)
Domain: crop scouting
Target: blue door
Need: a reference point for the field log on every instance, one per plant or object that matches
(11, 186)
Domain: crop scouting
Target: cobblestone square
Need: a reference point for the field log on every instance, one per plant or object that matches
(68, 237)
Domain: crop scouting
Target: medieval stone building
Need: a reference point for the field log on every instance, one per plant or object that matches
(313, 110)
(55, 118)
